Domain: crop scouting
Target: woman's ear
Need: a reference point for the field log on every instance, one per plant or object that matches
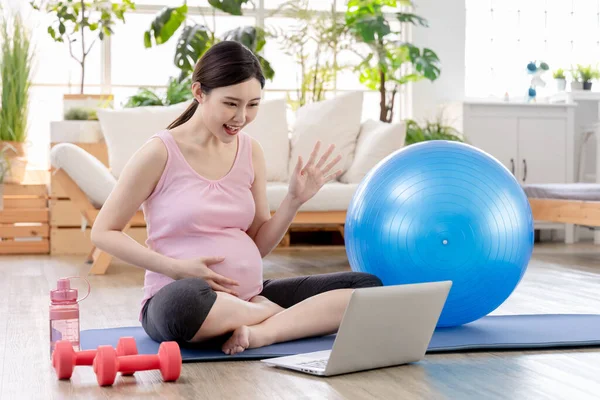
(197, 92)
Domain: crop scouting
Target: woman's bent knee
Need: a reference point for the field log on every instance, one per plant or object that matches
(364, 279)
(177, 311)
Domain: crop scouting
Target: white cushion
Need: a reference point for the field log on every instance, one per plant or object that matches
(336, 121)
(270, 129)
(376, 141)
(333, 196)
(92, 177)
(126, 130)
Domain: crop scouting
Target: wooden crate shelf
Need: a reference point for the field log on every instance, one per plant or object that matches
(24, 219)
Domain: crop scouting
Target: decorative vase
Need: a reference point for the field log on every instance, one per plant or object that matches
(576, 85)
(587, 85)
(15, 154)
(561, 84)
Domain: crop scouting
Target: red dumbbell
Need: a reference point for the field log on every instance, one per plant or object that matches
(107, 363)
(65, 358)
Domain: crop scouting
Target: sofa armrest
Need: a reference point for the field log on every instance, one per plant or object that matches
(92, 177)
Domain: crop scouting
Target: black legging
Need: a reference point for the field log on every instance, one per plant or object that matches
(177, 311)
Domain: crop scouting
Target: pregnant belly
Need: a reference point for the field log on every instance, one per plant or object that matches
(242, 263)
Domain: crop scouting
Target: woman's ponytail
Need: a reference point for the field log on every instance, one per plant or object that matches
(185, 116)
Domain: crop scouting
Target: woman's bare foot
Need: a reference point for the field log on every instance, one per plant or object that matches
(238, 342)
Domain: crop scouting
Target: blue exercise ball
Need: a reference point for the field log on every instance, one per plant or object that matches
(443, 210)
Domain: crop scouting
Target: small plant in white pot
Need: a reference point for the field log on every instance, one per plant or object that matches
(80, 125)
(561, 80)
(576, 83)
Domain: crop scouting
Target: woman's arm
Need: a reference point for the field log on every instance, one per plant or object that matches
(266, 230)
(135, 184)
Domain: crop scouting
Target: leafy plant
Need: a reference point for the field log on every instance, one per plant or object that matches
(177, 92)
(559, 74)
(386, 66)
(80, 114)
(15, 75)
(431, 130)
(196, 38)
(315, 42)
(75, 19)
(587, 73)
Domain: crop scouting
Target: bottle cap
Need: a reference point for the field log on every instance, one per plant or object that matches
(63, 291)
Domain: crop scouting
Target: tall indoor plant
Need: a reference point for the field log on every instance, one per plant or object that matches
(390, 61)
(81, 24)
(16, 62)
(315, 42)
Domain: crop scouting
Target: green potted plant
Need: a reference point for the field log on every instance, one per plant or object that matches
(315, 41)
(560, 79)
(176, 92)
(16, 61)
(384, 66)
(81, 24)
(436, 129)
(587, 74)
(576, 83)
(80, 125)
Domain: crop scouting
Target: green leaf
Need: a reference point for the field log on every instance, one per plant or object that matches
(366, 21)
(178, 91)
(413, 19)
(267, 69)
(192, 43)
(370, 77)
(165, 24)
(426, 62)
(233, 7)
(144, 97)
(250, 36)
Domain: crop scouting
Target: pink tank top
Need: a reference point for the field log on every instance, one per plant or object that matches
(189, 216)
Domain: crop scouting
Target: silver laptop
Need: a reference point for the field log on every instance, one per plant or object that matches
(381, 327)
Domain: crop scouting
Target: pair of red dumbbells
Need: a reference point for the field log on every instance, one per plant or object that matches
(125, 359)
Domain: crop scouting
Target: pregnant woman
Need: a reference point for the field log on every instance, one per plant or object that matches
(202, 185)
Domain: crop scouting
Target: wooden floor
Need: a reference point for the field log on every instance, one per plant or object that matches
(561, 279)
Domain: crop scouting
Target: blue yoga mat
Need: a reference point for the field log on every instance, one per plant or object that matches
(502, 332)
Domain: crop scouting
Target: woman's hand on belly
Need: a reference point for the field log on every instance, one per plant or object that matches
(199, 268)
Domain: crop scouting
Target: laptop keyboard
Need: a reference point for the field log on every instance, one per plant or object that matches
(315, 364)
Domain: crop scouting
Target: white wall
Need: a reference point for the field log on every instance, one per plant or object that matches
(445, 36)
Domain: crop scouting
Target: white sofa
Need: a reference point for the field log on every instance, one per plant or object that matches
(363, 143)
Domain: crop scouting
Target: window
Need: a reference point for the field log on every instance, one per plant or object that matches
(133, 66)
(321, 5)
(503, 36)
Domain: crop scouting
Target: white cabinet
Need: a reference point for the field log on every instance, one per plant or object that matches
(534, 141)
(500, 138)
(542, 151)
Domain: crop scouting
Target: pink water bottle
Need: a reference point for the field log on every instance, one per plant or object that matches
(64, 313)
